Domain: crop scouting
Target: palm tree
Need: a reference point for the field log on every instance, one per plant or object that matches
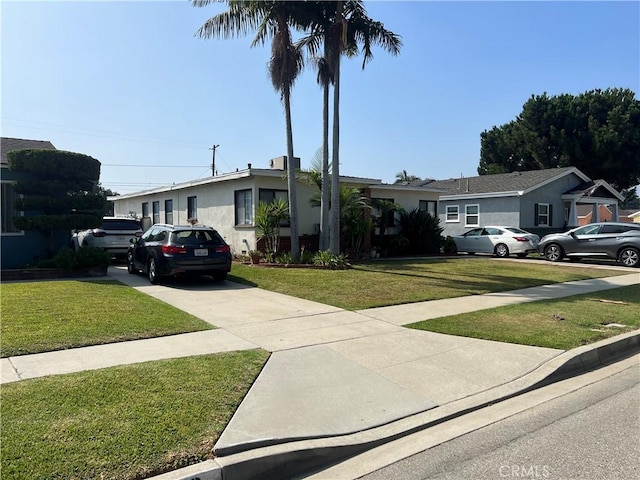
(341, 27)
(404, 178)
(270, 19)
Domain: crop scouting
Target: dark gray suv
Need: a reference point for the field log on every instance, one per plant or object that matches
(169, 250)
(619, 241)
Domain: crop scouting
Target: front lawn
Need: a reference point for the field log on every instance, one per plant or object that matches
(564, 323)
(394, 282)
(122, 423)
(45, 316)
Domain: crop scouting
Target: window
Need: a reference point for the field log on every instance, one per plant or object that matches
(168, 211)
(192, 207)
(156, 212)
(145, 209)
(542, 214)
(453, 213)
(8, 202)
(268, 195)
(391, 214)
(430, 206)
(243, 204)
(472, 215)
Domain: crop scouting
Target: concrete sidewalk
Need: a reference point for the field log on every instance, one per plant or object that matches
(333, 374)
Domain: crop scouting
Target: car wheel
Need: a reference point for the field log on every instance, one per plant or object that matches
(219, 276)
(130, 267)
(501, 250)
(152, 272)
(629, 257)
(553, 252)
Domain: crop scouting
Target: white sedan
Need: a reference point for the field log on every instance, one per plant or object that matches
(500, 241)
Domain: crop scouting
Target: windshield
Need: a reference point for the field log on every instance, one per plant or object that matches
(186, 237)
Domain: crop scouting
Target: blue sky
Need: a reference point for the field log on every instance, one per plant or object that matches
(129, 84)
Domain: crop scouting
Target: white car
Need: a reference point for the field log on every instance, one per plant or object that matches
(500, 241)
(113, 235)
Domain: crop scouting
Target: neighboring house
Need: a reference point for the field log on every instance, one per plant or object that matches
(634, 217)
(540, 201)
(604, 214)
(228, 202)
(18, 247)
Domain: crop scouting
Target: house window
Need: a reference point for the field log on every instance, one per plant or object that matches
(168, 211)
(145, 209)
(192, 207)
(8, 202)
(156, 212)
(267, 196)
(430, 206)
(472, 215)
(243, 204)
(453, 213)
(542, 215)
(391, 214)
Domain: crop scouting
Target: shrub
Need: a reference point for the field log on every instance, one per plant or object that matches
(327, 259)
(449, 246)
(86, 257)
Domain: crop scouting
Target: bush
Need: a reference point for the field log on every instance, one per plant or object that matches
(86, 257)
(327, 259)
(449, 246)
(422, 230)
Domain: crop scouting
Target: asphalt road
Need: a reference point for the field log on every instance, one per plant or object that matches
(591, 433)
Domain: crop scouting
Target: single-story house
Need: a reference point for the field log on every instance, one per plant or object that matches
(228, 202)
(539, 201)
(18, 247)
(634, 217)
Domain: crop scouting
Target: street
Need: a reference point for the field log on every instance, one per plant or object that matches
(585, 427)
(593, 433)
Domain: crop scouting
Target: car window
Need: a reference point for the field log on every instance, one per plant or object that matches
(196, 236)
(493, 231)
(615, 228)
(474, 233)
(160, 236)
(587, 230)
(515, 230)
(117, 224)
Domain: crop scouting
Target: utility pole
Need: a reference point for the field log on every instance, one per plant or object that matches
(213, 161)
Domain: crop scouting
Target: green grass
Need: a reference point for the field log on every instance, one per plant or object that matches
(384, 283)
(564, 324)
(46, 316)
(127, 422)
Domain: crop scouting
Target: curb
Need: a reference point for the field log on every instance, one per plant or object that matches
(294, 458)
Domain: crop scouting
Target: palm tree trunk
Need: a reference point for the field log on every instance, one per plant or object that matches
(325, 189)
(291, 180)
(334, 241)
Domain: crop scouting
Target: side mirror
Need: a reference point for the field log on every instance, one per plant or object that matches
(133, 240)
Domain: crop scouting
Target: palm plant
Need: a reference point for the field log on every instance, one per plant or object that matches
(270, 19)
(341, 27)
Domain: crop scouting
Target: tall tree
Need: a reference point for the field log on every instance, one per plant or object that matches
(341, 28)
(270, 19)
(597, 131)
(404, 178)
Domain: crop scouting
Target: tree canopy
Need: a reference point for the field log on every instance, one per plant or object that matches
(597, 132)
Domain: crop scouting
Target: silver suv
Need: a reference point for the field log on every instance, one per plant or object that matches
(114, 235)
(619, 241)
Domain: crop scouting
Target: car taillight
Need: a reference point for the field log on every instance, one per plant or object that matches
(521, 239)
(99, 233)
(223, 249)
(173, 249)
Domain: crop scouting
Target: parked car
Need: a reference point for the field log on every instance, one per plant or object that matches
(113, 235)
(500, 241)
(169, 250)
(619, 241)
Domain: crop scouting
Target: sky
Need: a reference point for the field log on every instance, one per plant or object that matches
(130, 84)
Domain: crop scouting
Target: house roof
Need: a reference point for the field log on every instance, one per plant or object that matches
(9, 144)
(503, 183)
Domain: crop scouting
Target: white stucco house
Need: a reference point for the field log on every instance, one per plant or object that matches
(228, 202)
